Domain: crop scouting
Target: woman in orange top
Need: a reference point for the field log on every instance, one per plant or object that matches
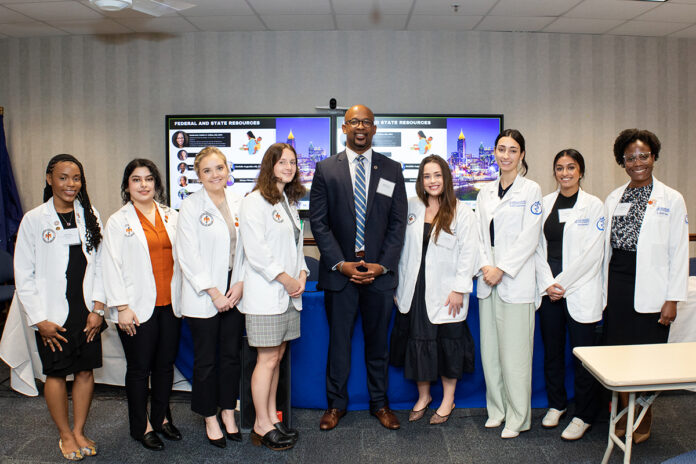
(142, 285)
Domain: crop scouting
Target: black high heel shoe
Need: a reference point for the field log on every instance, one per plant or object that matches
(219, 442)
(293, 434)
(236, 436)
(273, 440)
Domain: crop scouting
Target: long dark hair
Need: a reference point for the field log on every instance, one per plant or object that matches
(93, 235)
(266, 183)
(515, 135)
(142, 163)
(575, 156)
(448, 201)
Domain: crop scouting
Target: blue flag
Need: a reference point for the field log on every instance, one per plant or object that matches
(10, 207)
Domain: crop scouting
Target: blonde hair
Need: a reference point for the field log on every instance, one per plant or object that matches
(204, 153)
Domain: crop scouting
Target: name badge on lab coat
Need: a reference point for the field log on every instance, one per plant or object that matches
(70, 237)
(564, 214)
(622, 209)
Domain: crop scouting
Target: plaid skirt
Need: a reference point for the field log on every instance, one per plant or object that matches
(273, 329)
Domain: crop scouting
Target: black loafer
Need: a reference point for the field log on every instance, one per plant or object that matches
(273, 440)
(170, 432)
(288, 432)
(152, 442)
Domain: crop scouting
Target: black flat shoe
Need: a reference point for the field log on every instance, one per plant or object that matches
(273, 440)
(152, 442)
(288, 432)
(170, 432)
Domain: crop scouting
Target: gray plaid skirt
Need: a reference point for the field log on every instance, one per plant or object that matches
(273, 329)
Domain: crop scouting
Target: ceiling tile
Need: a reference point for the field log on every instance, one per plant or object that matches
(582, 26)
(29, 29)
(55, 11)
(385, 7)
(218, 8)
(466, 8)
(646, 28)
(513, 24)
(276, 7)
(688, 2)
(91, 27)
(227, 23)
(27, 1)
(687, 33)
(10, 16)
(445, 23)
(308, 22)
(610, 9)
(166, 25)
(671, 12)
(533, 7)
(366, 22)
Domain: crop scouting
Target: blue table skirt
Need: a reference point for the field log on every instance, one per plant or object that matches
(310, 351)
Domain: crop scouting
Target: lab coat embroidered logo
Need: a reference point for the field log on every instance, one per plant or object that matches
(48, 235)
(276, 216)
(600, 224)
(206, 219)
(536, 208)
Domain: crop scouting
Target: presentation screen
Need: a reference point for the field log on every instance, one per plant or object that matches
(244, 140)
(464, 141)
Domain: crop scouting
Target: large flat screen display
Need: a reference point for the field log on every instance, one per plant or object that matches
(465, 141)
(244, 140)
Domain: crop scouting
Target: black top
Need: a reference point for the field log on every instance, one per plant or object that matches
(553, 228)
(501, 193)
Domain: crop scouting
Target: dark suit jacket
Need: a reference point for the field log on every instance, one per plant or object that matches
(332, 216)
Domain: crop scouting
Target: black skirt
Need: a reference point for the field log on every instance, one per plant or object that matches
(425, 350)
(623, 325)
(77, 354)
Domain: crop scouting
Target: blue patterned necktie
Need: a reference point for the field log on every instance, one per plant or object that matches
(360, 195)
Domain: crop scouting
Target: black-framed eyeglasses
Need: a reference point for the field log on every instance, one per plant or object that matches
(632, 157)
(367, 123)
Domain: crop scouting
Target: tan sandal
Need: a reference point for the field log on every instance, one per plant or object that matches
(437, 419)
(414, 415)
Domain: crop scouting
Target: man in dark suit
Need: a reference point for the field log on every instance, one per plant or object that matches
(358, 213)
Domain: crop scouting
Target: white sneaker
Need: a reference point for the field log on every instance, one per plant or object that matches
(575, 430)
(492, 423)
(552, 417)
(507, 433)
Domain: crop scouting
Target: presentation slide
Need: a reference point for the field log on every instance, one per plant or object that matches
(466, 142)
(243, 140)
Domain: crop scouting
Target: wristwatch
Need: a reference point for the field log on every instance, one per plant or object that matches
(98, 312)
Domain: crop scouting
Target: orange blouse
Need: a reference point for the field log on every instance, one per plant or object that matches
(160, 256)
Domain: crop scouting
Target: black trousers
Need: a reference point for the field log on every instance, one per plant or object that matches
(217, 345)
(554, 318)
(150, 356)
(342, 308)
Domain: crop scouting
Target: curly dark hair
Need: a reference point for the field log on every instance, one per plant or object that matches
(93, 233)
(628, 136)
(142, 163)
(266, 182)
(517, 137)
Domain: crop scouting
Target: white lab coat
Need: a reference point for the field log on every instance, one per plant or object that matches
(41, 259)
(583, 248)
(269, 249)
(203, 250)
(662, 252)
(450, 263)
(517, 227)
(128, 275)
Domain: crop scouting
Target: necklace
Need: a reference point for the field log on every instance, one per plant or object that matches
(68, 220)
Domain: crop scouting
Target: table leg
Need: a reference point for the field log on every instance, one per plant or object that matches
(629, 427)
(612, 426)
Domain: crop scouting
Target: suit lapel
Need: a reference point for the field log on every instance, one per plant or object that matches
(375, 175)
(346, 181)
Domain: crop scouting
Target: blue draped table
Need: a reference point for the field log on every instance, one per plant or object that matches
(310, 351)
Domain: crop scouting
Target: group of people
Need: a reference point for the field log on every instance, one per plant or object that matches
(231, 265)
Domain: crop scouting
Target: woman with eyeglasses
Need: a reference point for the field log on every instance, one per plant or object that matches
(569, 278)
(509, 219)
(58, 275)
(646, 255)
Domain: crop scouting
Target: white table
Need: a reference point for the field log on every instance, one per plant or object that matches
(635, 369)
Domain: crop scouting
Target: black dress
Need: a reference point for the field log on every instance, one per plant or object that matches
(426, 350)
(77, 354)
